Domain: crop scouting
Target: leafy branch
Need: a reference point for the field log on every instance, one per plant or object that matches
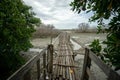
(104, 10)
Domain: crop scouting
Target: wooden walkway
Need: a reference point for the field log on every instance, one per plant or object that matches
(64, 65)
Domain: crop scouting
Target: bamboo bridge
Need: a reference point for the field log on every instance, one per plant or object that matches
(62, 66)
(65, 68)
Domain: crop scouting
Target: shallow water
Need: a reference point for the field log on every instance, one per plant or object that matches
(35, 50)
(78, 56)
(76, 46)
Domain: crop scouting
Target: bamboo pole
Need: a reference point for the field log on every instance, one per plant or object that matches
(38, 69)
(44, 66)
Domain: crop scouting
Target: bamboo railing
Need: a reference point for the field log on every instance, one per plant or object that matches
(24, 73)
(86, 74)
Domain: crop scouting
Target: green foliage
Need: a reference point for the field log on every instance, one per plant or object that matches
(99, 29)
(104, 9)
(17, 23)
(95, 46)
(113, 49)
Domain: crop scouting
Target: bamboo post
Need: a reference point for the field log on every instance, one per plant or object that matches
(47, 58)
(50, 50)
(84, 72)
(73, 56)
(89, 62)
(44, 66)
(51, 59)
(38, 69)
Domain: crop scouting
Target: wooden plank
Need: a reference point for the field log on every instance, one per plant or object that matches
(65, 55)
(64, 73)
(100, 63)
(67, 73)
(64, 65)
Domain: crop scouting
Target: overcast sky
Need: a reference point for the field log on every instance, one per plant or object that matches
(58, 13)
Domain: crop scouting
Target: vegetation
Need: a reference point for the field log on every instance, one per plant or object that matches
(105, 9)
(96, 47)
(83, 27)
(17, 23)
(45, 31)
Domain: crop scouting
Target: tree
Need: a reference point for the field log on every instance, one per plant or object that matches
(45, 31)
(105, 9)
(83, 27)
(17, 23)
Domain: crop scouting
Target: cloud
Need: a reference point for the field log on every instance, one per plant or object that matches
(57, 12)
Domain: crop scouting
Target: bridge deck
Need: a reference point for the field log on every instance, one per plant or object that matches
(64, 65)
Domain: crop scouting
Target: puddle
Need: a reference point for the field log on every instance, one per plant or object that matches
(35, 50)
(75, 37)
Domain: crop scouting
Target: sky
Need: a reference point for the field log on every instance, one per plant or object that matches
(58, 13)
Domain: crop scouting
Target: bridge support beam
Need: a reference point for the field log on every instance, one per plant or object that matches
(38, 69)
(44, 66)
(50, 59)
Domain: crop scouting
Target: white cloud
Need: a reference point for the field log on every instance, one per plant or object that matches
(57, 12)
